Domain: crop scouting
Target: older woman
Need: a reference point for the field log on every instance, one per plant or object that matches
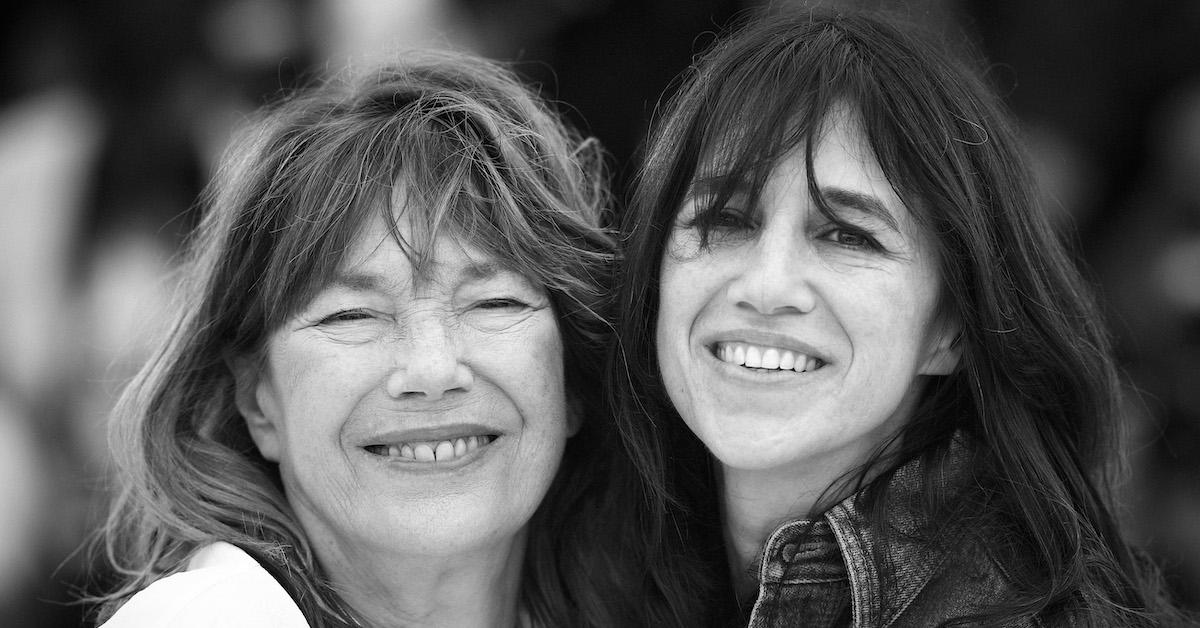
(389, 331)
(839, 286)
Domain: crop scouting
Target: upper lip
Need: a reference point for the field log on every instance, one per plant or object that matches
(428, 433)
(765, 339)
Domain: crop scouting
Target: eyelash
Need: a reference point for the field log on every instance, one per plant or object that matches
(866, 241)
(500, 303)
(722, 219)
(730, 218)
(345, 316)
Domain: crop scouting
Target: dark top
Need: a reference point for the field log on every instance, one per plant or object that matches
(824, 572)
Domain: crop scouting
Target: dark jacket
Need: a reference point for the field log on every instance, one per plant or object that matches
(825, 572)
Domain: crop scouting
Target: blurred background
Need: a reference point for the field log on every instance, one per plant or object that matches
(112, 113)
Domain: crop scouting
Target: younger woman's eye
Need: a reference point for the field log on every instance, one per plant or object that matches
(726, 218)
(730, 218)
(851, 238)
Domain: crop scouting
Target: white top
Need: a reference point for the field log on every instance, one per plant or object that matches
(222, 586)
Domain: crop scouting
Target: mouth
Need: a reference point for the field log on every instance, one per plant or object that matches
(432, 451)
(765, 358)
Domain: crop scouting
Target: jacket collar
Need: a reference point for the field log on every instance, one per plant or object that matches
(912, 556)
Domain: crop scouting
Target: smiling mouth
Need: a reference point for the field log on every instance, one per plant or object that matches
(432, 450)
(764, 358)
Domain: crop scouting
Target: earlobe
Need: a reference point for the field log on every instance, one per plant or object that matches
(945, 353)
(260, 421)
(574, 416)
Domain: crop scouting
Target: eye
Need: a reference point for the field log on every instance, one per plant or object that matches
(345, 316)
(500, 304)
(727, 218)
(851, 238)
(731, 218)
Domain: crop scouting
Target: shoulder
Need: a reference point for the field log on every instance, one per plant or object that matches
(222, 586)
(968, 581)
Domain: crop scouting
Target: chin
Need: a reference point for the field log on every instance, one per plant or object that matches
(433, 537)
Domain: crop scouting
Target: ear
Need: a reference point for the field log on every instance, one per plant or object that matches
(253, 402)
(945, 350)
(574, 415)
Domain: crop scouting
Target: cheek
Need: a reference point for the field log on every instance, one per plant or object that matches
(530, 370)
(893, 322)
(685, 284)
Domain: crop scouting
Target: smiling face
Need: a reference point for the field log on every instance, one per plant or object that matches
(420, 414)
(793, 342)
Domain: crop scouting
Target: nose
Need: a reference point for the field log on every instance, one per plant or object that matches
(775, 275)
(432, 366)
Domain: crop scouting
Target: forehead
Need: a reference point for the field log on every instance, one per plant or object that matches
(840, 150)
(387, 255)
(843, 161)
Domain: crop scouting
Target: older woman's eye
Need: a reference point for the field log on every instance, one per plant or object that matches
(501, 304)
(345, 316)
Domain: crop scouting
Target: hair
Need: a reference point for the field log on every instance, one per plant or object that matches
(478, 156)
(1036, 392)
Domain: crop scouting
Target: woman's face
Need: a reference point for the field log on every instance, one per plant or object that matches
(413, 415)
(794, 340)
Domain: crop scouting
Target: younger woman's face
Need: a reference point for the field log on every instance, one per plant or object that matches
(794, 340)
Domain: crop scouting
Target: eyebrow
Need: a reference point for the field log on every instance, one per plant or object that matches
(713, 184)
(373, 282)
(357, 282)
(862, 202)
(482, 270)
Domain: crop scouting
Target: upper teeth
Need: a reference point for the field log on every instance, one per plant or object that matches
(430, 450)
(760, 357)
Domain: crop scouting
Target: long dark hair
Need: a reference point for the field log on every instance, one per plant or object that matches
(479, 154)
(1036, 392)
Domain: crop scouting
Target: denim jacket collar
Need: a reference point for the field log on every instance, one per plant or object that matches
(914, 559)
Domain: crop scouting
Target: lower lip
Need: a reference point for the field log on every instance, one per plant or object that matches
(409, 465)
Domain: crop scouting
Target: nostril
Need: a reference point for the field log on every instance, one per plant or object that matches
(431, 381)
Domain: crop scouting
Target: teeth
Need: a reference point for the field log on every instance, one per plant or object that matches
(787, 360)
(753, 357)
(770, 358)
(432, 451)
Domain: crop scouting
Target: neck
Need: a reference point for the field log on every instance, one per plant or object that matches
(754, 503)
(469, 589)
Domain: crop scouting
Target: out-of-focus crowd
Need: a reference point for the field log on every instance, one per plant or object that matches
(112, 114)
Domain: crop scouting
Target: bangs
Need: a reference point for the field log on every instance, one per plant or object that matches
(434, 168)
(797, 86)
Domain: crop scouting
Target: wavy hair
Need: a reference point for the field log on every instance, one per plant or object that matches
(1036, 390)
(480, 157)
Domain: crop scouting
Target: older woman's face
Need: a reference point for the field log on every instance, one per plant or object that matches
(409, 414)
(794, 340)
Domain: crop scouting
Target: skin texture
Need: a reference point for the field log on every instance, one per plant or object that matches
(861, 296)
(383, 355)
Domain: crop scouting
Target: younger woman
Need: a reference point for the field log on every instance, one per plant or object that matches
(839, 285)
